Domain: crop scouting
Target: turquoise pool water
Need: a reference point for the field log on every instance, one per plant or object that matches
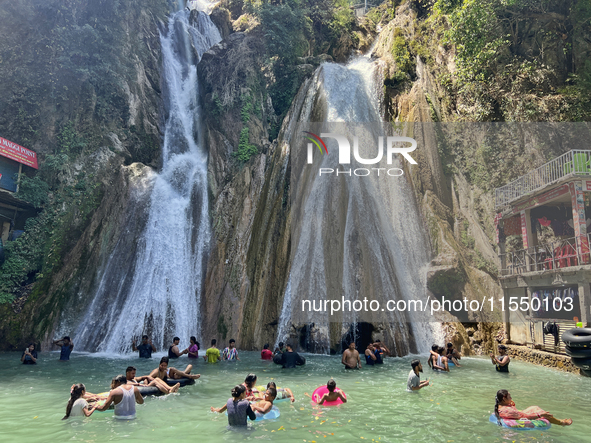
(455, 409)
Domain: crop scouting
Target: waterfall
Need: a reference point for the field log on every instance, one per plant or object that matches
(355, 237)
(158, 293)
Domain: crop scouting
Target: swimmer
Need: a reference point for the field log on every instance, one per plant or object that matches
(163, 371)
(193, 348)
(230, 353)
(239, 408)
(280, 349)
(380, 352)
(414, 382)
(77, 405)
(370, 355)
(351, 357)
(264, 405)
(145, 348)
(436, 361)
(124, 397)
(505, 408)
(66, 348)
(453, 355)
(332, 395)
(212, 355)
(502, 362)
(89, 396)
(173, 350)
(249, 390)
(146, 380)
(266, 354)
(281, 392)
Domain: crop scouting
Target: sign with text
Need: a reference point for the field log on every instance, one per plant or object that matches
(18, 153)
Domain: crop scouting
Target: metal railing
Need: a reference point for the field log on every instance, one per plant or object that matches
(556, 255)
(362, 8)
(572, 163)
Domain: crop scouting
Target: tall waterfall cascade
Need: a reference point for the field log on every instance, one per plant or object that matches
(352, 236)
(159, 294)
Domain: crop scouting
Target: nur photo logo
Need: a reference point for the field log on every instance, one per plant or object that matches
(386, 147)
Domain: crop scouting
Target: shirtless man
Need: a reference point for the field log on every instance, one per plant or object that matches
(125, 397)
(149, 381)
(163, 371)
(351, 358)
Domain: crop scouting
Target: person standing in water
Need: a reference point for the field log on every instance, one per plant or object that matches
(230, 353)
(77, 405)
(212, 355)
(174, 351)
(66, 348)
(239, 410)
(351, 358)
(124, 397)
(266, 354)
(29, 356)
(145, 348)
(502, 361)
(370, 355)
(193, 348)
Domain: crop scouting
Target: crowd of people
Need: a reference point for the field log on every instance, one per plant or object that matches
(247, 401)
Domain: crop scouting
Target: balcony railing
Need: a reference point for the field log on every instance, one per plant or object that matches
(570, 164)
(555, 255)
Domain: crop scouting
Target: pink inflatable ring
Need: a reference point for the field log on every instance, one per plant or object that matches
(321, 390)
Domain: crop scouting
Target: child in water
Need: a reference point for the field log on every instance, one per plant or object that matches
(282, 393)
(77, 405)
(332, 395)
(263, 406)
(239, 408)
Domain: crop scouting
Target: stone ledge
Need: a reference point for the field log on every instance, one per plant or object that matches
(542, 358)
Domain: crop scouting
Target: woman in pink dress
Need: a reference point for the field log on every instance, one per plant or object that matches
(505, 408)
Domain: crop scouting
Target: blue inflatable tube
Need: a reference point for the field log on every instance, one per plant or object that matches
(523, 424)
(271, 415)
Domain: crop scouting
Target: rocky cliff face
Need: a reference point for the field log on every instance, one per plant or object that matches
(81, 86)
(248, 264)
(90, 98)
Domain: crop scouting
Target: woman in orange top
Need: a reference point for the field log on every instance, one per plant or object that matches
(505, 408)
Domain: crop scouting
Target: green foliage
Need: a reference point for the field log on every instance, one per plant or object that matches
(467, 240)
(476, 32)
(222, 327)
(401, 53)
(285, 28)
(33, 190)
(69, 140)
(245, 149)
(246, 109)
(343, 19)
(24, 256)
